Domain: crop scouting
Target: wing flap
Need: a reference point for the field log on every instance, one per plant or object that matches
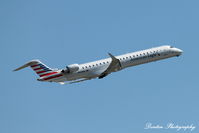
(76, 81)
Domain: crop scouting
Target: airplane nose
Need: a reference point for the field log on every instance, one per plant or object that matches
(179, 51)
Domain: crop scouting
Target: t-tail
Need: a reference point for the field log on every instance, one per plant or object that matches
(41, 69)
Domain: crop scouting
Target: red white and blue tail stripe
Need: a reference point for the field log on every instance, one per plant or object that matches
(45, 73)
(41, 69)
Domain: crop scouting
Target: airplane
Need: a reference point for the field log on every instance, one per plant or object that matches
(75, 73)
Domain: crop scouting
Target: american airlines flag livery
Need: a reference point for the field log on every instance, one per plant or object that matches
(99, 69)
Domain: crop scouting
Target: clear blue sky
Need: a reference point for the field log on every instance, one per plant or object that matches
(62, 32)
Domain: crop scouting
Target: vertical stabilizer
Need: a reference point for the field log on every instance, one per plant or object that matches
(37, 66)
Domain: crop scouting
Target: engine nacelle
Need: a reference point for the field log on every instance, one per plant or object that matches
(71, 68)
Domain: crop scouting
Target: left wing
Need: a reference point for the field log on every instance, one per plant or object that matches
(114, 66)
(72, 82)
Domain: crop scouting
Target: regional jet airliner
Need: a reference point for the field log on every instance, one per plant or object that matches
(99, 69)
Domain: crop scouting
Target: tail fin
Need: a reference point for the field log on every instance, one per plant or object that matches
(37, 66)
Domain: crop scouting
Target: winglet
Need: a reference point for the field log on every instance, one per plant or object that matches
(113, 57)
(114, 66)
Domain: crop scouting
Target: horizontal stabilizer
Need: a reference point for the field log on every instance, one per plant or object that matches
(27, 64)
(40, 68)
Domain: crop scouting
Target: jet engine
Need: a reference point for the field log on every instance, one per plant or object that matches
(71, 68)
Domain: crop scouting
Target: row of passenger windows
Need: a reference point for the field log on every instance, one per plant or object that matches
(146, 53)
(97, 64)
(133, 56)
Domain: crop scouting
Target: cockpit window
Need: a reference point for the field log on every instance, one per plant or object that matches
(171, 47)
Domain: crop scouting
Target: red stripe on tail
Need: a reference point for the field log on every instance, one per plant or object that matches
(56, 76)
(34, 65)
(37, 69)
(47, 74)
(40, 72)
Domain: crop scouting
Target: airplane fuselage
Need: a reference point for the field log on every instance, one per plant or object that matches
(93, 69)
(100, 68)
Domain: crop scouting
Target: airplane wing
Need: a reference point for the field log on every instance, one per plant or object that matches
(72, 82)
(115, 65)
